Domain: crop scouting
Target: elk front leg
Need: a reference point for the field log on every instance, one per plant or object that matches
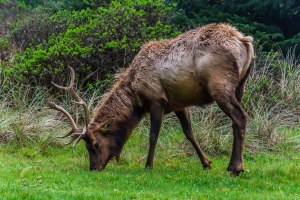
(184, 118)
(156, 115)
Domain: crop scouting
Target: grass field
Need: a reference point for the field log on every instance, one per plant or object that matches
(58, 172)
(35, 165)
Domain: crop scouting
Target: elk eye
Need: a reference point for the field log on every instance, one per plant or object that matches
(88, 146)
(96, 145)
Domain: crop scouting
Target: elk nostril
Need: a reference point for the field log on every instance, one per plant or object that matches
(96, 145)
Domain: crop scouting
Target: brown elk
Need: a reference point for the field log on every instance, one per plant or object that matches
(210, 63)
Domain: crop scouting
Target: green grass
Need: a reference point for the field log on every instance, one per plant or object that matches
(63, 173)
(35, 165)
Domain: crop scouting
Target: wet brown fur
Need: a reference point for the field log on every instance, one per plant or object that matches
(210, 63)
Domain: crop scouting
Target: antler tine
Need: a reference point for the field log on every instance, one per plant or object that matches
(74, 127)
(75, 138)
(78, 135)
(71, 91)
(64, 136)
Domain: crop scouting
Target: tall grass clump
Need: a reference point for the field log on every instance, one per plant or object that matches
(272, 99)
(25, 120)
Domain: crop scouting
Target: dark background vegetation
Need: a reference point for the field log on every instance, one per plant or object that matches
(98, 38)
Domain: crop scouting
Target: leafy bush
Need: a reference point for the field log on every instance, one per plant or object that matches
(11, 11)
(94, 42)
(56, 5)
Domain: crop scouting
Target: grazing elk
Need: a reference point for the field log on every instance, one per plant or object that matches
(210, 63)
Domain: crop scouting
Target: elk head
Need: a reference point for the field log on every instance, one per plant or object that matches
(99, 146)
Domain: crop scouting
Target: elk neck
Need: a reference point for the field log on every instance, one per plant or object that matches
(120, 103)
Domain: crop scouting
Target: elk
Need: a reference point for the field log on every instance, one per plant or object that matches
(207, 64)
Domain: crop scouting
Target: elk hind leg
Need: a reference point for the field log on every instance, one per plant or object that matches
(239, 120)
(227, 101)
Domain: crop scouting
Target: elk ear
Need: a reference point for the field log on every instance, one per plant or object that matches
(107, 125)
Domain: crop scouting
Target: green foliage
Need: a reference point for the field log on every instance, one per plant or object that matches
(270, 22)
(56, 5)
(10, 12)
(3, 43)
(94, 42)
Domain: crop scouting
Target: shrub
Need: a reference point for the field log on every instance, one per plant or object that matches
(95, 43)
(11, 11)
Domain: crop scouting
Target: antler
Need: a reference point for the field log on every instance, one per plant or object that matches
(78, 135)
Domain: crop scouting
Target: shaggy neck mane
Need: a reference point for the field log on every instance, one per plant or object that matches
(121, 105)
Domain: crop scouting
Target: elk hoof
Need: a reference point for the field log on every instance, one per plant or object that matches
(149, 167)
(236, 173)
(96, 168)
(236, 169)
(207, 165)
